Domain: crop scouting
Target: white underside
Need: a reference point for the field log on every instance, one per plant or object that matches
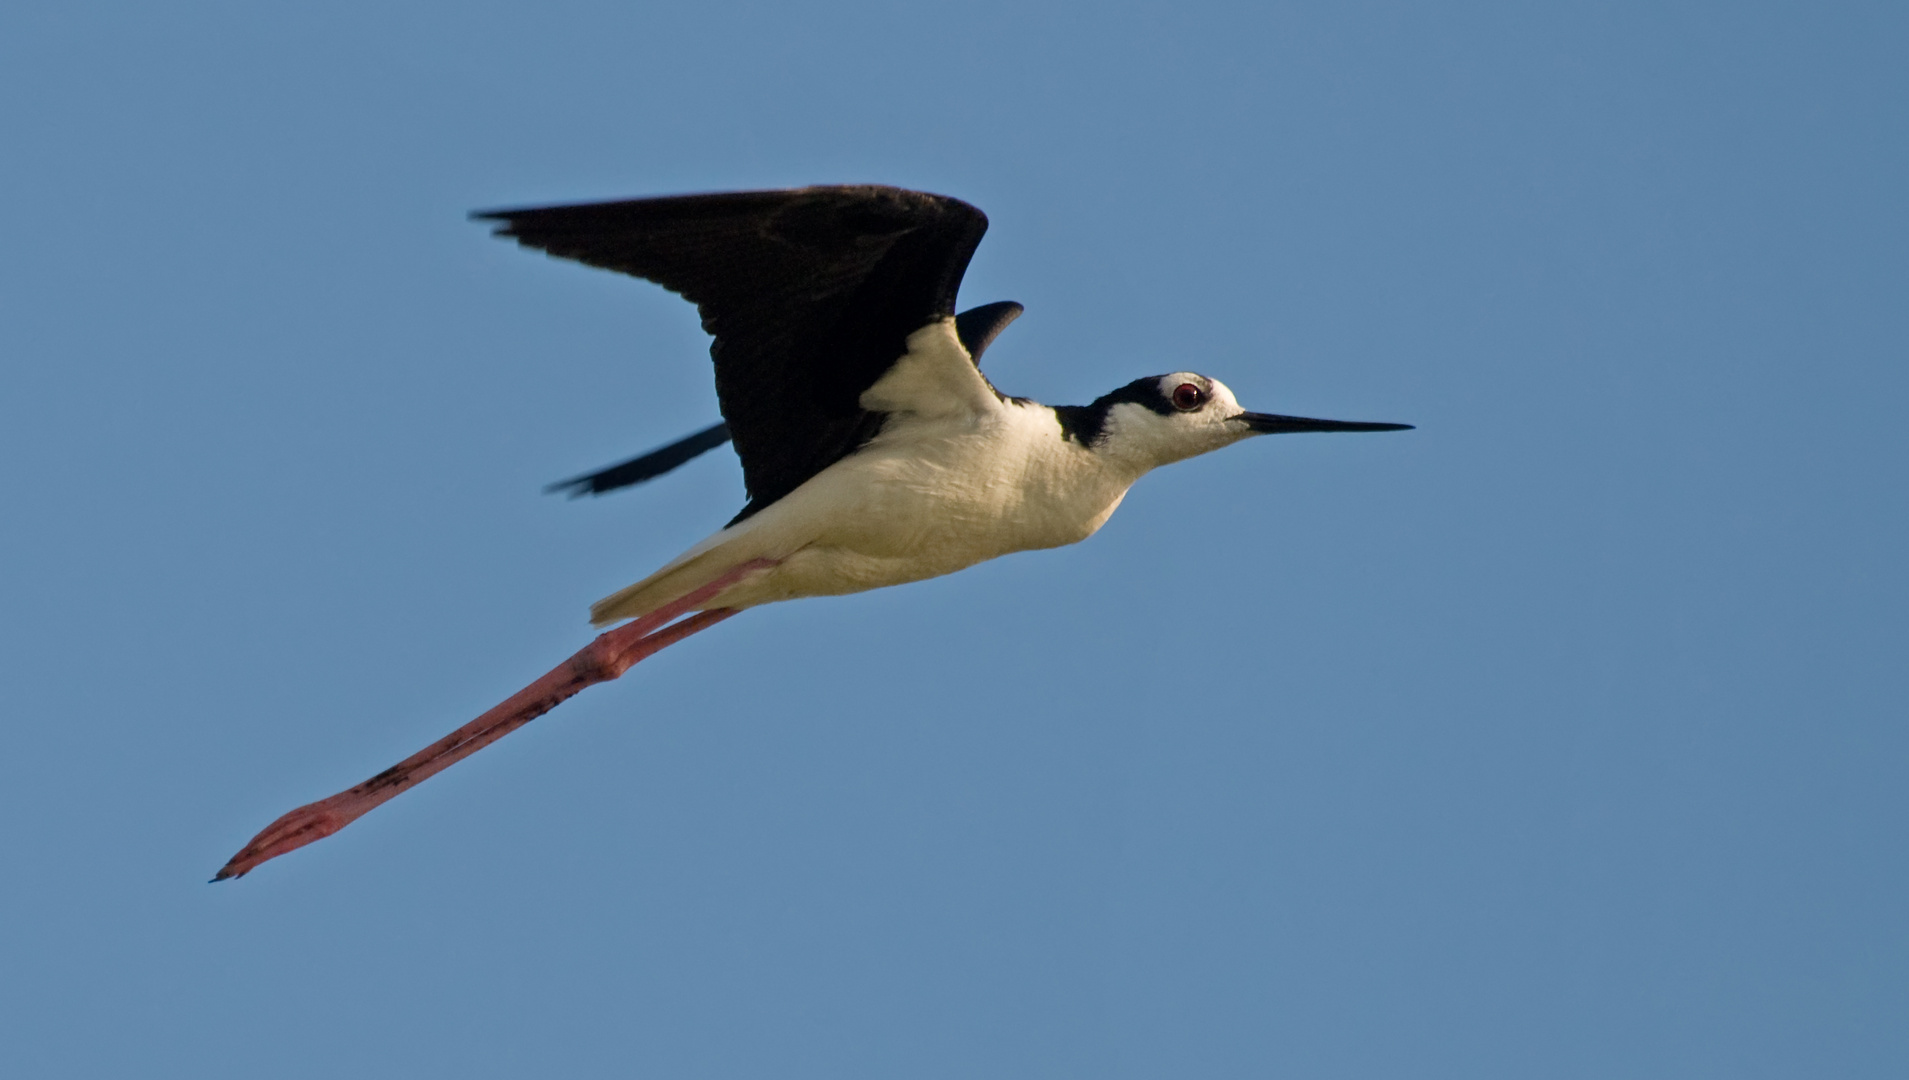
(956, 477)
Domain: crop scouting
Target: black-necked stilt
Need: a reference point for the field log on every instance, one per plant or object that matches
(873, 449)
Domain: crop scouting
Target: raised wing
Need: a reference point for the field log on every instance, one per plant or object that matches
(811, 295)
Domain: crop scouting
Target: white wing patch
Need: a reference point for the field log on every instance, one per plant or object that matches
(935, 377)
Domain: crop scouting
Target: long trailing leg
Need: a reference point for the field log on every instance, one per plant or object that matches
(610, 655)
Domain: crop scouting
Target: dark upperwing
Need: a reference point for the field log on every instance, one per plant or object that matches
(810, 294)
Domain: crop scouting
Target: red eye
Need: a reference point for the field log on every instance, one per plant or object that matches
(1188, 397)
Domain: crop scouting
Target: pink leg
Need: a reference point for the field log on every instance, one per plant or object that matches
(610, 655)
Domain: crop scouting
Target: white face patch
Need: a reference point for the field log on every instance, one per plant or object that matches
(1148, 437)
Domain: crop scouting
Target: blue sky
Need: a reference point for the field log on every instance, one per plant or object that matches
(1560, 737)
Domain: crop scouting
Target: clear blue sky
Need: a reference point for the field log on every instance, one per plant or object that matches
(1563, 737)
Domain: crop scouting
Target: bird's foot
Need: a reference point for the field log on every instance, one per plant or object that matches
(313, 821)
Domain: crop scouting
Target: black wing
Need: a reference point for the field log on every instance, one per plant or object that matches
(978, 327)
(810, 294)
(644, 466)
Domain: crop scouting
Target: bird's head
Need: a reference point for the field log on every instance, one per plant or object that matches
(1161, 419)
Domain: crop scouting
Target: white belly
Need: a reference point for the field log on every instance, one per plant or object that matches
(935, 499)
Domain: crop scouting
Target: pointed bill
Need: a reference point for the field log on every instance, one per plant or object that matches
(1274, 424)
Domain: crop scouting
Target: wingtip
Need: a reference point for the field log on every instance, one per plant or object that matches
(500, 221)
(574, 488)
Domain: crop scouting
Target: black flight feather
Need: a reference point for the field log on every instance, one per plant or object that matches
(644, 467)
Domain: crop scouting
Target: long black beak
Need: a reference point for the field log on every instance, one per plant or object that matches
(1274, 424)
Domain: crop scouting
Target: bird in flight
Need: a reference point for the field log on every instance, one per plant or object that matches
(874, 452)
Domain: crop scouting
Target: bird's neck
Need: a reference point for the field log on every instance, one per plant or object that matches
(1083, 431)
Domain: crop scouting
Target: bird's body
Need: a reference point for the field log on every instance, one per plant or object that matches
(967, 477)
(874, 451)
